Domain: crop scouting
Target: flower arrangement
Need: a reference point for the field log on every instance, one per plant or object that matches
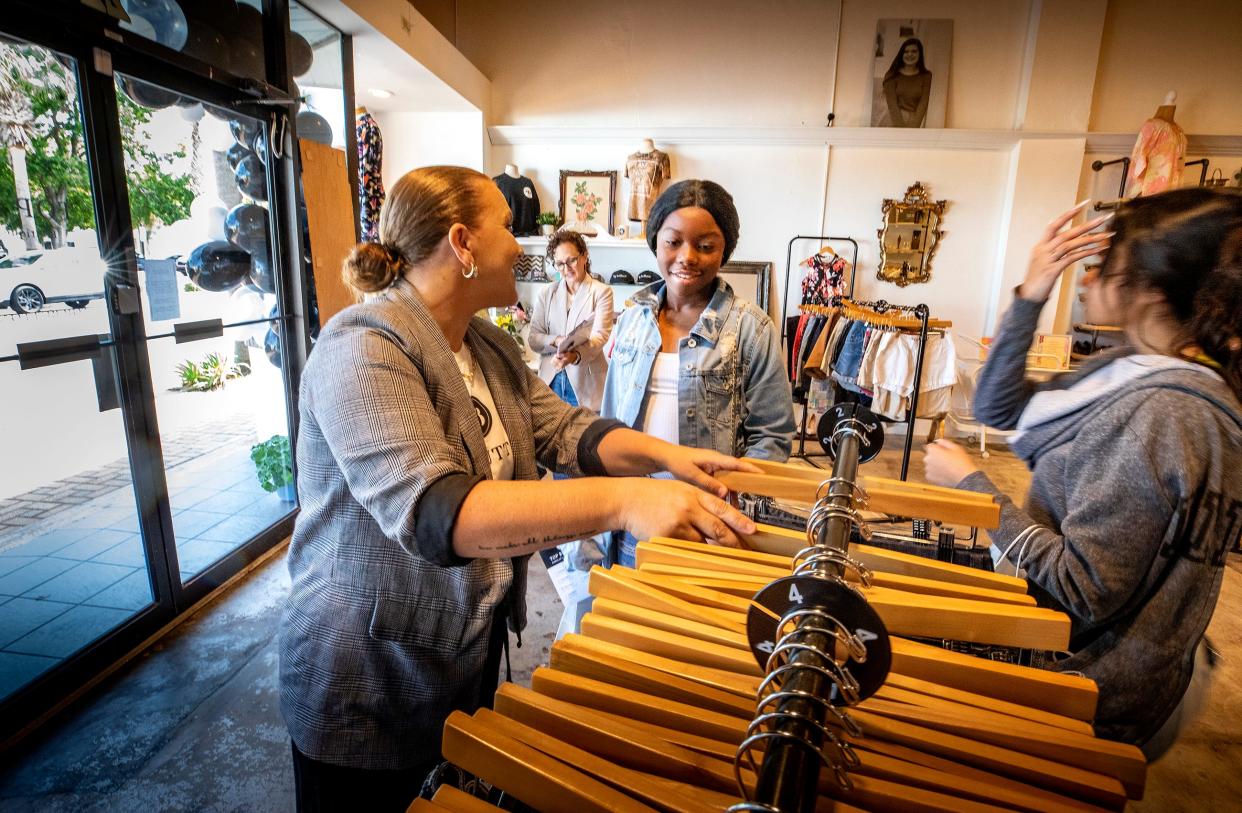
(511, 320)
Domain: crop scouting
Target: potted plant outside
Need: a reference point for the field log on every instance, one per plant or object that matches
(547, 222)
(273, 464)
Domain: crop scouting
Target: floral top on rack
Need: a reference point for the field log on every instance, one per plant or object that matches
(824, 279)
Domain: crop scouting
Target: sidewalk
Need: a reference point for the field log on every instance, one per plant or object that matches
(72, 565)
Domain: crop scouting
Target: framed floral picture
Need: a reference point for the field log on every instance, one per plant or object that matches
(587, 200)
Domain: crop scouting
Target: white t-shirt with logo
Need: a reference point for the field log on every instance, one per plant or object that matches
(499, 450)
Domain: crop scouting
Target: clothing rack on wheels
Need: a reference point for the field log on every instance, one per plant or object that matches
(853, 263)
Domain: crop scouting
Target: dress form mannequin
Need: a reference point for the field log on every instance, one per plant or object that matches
(646, 170)
(1157, 159)
(1165, 111)
(522, 198)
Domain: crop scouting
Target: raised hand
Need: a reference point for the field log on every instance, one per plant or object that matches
(1059, 248)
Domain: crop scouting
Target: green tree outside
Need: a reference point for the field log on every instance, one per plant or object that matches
(56, 153)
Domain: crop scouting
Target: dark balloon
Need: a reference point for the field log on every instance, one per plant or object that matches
(271, 346)
(244, 131)
(149, 96)
(165, 17)
(261, 274)
(246, 225)
(246, 58)
(206, 44)
(260, 146)
(218, 266)
(221, 14)
(251, 177)
(314, 127)
(250, 24)
(301, 56)
(235, 154)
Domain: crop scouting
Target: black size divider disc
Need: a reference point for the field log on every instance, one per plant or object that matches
(838, 601)
(872, 430)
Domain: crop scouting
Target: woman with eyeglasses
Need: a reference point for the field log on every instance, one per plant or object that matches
(575, 369)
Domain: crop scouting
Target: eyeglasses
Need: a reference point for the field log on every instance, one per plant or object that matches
(561, 266)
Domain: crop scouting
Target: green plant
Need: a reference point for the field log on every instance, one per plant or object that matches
(42, 116)
(547, 219)
(273, 462)
(190, 288)
(209, 374)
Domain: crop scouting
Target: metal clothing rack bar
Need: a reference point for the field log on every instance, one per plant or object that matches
(1096, 166)
(853, 261)
(837, 651)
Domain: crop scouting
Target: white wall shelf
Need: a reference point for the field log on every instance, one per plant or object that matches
(540, 241)
(885, 137)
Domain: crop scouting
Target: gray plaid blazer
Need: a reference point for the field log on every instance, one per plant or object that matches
(386, 629)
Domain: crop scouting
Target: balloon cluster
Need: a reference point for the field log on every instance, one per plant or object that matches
(228, 35)
(225, 34)
(238, 260)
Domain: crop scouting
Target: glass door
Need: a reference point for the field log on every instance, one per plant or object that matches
(198, 192)
(73, 566)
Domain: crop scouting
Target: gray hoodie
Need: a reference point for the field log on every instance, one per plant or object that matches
(1134, 502)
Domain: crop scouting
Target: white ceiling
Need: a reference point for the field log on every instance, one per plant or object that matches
(378, 63)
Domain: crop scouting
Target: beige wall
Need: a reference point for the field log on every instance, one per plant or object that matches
(440, 13)
(653, 62)
(988, 45)
(1151, 47)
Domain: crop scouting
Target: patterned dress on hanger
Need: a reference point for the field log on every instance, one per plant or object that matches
(370, 180)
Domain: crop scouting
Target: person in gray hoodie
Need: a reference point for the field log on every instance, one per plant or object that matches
(1135, 498)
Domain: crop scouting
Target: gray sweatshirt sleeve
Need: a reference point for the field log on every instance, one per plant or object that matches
(1003, 388)
(1100, 555)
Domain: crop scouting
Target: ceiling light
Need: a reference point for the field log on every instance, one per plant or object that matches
(380, 93)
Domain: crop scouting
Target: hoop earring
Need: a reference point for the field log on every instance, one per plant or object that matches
(471, 272)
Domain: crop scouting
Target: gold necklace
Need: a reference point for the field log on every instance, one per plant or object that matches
(465, 364)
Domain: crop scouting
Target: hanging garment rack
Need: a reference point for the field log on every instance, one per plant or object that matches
(885, 314)
(1108, 205)
(853, 261)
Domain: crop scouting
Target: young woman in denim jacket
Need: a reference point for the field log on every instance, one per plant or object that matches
(692, 363)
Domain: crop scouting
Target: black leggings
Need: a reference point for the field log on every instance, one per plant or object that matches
(325, 788)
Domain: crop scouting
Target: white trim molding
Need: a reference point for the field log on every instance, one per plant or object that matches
(883, 137)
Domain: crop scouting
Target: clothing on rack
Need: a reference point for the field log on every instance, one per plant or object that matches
(824, 278)
(877, 364)
(370, 179)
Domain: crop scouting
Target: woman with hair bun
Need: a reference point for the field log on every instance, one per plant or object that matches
(420, 431)
(1135, 497)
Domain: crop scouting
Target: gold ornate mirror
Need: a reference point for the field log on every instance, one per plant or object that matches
(909, 237)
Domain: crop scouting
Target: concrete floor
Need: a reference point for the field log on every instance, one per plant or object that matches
(194, 724)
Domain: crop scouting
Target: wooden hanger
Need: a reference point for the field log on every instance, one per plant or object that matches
(450, 798)
(531, 776)
(896, 497)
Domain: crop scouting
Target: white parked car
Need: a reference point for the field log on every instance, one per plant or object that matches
(73, 275)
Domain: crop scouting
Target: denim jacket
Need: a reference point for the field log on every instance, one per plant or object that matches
(734, 393)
